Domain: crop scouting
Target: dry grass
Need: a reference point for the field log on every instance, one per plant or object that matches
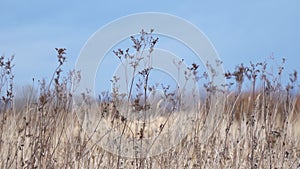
(258, 128)
(55, 139)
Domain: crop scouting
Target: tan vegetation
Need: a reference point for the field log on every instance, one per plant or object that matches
(257, 128)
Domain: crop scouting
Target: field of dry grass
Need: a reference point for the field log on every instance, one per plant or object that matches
(54, 138)
(256, 128)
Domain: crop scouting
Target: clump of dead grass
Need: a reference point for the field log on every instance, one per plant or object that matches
(259, 126)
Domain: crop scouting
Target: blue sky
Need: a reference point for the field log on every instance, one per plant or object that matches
(240, 31)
